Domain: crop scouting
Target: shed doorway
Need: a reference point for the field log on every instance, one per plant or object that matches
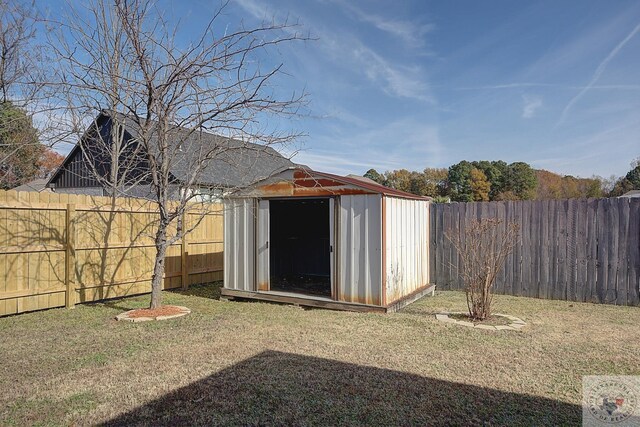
(300, 246)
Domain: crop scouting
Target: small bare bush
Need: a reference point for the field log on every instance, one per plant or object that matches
(483, 246)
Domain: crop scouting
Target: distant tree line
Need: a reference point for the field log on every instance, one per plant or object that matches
(496, 180)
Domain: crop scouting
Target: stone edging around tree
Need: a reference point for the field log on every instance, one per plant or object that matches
(515, 325)
(126, 318)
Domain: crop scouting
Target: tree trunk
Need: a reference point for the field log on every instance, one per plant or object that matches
(158, 267)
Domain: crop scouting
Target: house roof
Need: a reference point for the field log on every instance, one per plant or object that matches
(632, 193)
(229, 162)
(38, 185)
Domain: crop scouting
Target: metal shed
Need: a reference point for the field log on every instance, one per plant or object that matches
(317, 239)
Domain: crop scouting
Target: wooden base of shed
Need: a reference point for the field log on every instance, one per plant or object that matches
(321, 302)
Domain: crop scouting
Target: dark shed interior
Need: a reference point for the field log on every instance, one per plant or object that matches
(299, 246)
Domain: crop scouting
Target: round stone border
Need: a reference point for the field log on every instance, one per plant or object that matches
(515, 325)
(125, 316)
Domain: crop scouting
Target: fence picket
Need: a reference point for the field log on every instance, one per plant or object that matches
(110, 254)
(575, 250)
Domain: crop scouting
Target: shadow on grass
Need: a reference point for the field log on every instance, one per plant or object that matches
(122, 303)
(206, 290)
(274, 388)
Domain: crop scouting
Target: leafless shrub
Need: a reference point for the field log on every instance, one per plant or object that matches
(483, 246)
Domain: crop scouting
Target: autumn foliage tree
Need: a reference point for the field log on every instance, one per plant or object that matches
(554, 186)
(480, 186)
(48, 162)
(430, 182)
(485, 180)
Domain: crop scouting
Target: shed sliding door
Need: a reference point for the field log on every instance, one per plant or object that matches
(359, 248)
(239, 241)
(263, 276)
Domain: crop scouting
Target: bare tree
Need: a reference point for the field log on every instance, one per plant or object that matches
(21, 81)
(165, 97)
(483, 246)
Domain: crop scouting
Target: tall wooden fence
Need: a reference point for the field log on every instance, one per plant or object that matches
(60, 249)
(574, 250)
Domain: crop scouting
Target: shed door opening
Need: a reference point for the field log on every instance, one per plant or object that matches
(299, 249)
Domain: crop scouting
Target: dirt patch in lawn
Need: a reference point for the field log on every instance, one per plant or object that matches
(165, 310)
(161, 313)
(491, 321)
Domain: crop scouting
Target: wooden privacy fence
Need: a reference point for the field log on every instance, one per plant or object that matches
(574, 250)
(61, 249)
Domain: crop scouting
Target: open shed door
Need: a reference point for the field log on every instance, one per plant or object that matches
(263, 275)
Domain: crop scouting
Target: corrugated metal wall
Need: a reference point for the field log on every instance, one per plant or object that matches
(359, 249)
(407, 246)
(239, 244)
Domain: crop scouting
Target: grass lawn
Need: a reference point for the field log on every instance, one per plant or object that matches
(264, 364)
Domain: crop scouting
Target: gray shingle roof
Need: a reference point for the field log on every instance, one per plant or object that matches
(228, 162)
(38, 184)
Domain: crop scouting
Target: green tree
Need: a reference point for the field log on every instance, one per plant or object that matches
(520, 179)
(459, 181)
(633, 176)
(373, 174)
(20, 150)
(622, 186)
(495, 171)
(631, 181)
(592, 187)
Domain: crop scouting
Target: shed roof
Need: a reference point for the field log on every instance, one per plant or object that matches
(300, 181)
(373, 186)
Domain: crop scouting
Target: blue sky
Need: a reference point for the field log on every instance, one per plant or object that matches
(415, 84)
(419, 84)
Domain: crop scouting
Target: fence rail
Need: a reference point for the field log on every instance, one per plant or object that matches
(61, 249)
(574, 250)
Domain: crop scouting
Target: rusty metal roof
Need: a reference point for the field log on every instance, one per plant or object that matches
(368, 185)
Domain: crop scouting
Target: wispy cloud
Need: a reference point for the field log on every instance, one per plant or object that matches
(507, 86)
(343, 47)
(549, 85)
(597, 73)
(413, 34)
(257, 9)
(531, 103)
(397, 80)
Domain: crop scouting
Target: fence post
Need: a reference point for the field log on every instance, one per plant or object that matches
(184, 254)
(70, 257)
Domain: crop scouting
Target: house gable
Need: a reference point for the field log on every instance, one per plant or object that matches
(80, 167)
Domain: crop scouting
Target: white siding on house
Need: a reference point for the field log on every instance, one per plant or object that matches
(407, 246)
(359, 249)
(239, 244)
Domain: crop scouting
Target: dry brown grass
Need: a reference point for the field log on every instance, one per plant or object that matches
(251, 363)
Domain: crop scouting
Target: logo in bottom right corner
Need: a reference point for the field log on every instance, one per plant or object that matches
(610, 400)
